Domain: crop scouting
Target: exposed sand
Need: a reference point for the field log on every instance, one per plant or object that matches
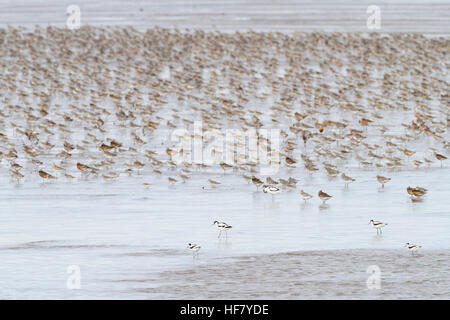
(337, 274)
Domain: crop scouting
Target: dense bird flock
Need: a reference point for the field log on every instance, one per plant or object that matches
(100, 103)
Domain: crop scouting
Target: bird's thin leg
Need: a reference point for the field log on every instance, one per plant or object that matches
(220, 232)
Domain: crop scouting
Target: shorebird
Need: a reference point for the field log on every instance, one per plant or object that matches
(257, 182)
(383, 180)
(247, 178)
(184, 177)
(57, 168)
(290, 161)
(305, 196)
(346, 179)
(331, 172)
(271, 190)
(107, 178)
(45, 175)
(225, 166)
(213, 183)
(222, 226)
(416, 192)
(440, 157)
(33, 126)
(194, 249)
(324, 196)
(378, 225)
(84, 168)
(412, 247)
(417, 163)
(270, 181)
(16, 174)
(16, 166)
(408, 153)
(172, 180)
(286, 184)
(138, 165)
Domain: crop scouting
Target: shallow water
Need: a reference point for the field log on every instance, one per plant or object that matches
(119, 231)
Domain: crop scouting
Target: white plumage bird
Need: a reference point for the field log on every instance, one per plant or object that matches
(378, 225)
(271, 190)
(222, 226)
(194, 249)
(412, 247)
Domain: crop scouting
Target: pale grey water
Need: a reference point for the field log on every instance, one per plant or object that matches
(428, 17)
(130, 242)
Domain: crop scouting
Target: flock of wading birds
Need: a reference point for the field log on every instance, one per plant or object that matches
(96, 100)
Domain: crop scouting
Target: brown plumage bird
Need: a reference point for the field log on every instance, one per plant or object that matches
(324, 196)
(213, 183)
(383, 180)
(407, 152)
(45, 175)
(290, 161)
(416, 192)
(346, 179)
(440, 157)
(225, 166)
(257, 182)
(84, 168)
